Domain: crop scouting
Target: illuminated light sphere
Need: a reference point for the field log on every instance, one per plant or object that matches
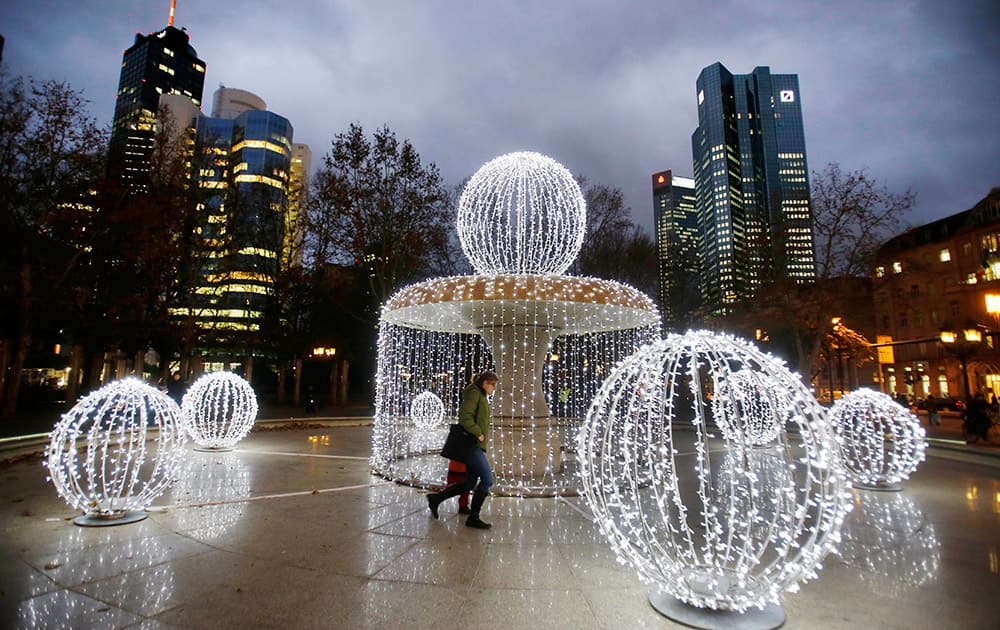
(880, 440)
(104, 456)
(219, 410)
(521, 213)
(717, 527)
(427, 410)
(747, 402)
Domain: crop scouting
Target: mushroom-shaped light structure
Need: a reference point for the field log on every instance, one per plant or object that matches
(219, 410)
(716, 526)
(427, 410)
(122, 464)
(881, 441)
(551, 338)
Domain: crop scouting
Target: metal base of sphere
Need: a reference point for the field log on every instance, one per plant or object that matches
(96, 520)
(213, 449)
(888, 487)
(771, 616)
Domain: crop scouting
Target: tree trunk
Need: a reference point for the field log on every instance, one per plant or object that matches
(76, 357)
(334, 383)
(343, 382)
(282, 382)
(298, 382)
(22, 343)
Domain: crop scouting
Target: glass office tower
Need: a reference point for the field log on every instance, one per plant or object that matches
(159, 63)
(751, 183)
(675, 218)
(247, 181)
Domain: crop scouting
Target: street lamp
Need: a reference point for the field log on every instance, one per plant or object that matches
(971, 338)
(993, 307)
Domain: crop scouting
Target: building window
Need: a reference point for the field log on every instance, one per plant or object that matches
(897, 267)
(914, 290)
(942, 385)
(945, 255)
(954, 309)
(879, 272)
(971, 279)
(934, 317)
(885, 322)
(967, 249)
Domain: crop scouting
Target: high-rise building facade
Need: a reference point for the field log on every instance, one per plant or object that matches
(675, 217)
(752, 184)
(159, 63)
(246, 171)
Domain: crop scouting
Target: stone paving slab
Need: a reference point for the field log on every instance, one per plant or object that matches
(291, 530)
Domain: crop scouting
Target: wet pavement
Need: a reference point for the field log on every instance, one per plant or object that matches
(291, 530)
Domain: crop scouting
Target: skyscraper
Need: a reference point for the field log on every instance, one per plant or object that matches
(159, 63)
(250, 174)
(675, 217)
(752, 184)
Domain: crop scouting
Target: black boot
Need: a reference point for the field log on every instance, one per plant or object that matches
(434, 499)
(477, 504)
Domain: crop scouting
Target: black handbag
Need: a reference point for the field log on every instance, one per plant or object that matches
(459, 444)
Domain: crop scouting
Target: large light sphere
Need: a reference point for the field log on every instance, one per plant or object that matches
(521, 213)
(219, 410)
(703, 517)
(881, 441)
(748, 402)
(122, 463)
(427, 410)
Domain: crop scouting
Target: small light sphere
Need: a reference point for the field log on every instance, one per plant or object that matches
(521, 213)
(881, 442)
(748, 402)
(219, 410)
(427, 411)
(710, 520)
(122, 465)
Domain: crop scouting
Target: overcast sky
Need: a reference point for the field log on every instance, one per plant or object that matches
(908, 90)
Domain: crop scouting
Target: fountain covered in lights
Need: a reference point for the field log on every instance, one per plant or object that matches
(552, 338)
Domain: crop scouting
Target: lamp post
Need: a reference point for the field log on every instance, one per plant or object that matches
(993, 307)
(963, 349)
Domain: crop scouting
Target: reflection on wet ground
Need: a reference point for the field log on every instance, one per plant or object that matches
(292, 530)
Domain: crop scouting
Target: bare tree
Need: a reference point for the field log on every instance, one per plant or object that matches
(377, 205)
(50, 157)
(853, 214)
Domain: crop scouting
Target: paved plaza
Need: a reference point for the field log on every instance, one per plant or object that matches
(291, 530)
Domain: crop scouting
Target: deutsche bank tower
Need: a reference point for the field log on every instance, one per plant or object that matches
(751, 184)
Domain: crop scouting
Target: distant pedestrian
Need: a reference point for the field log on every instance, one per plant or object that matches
(310, 400)
(933, 411)
(176, 387)
(977, 419)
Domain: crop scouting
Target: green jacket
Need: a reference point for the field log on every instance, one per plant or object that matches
(474, 413)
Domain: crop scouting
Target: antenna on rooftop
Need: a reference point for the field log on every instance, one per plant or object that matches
(173, 7)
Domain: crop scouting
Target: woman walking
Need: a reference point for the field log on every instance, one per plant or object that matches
(474, 416)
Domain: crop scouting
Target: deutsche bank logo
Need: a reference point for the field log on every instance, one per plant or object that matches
(787, 96)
